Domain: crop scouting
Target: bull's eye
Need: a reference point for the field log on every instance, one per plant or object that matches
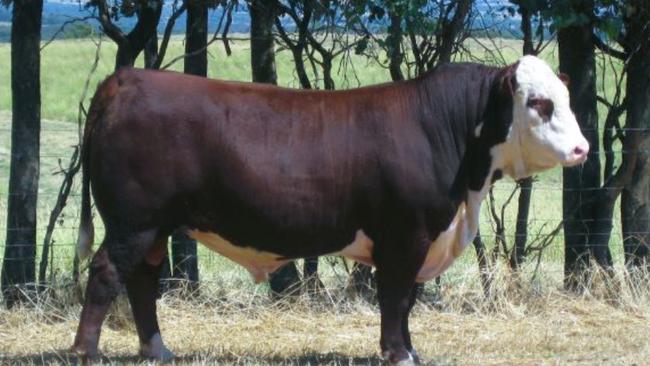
(543, 106)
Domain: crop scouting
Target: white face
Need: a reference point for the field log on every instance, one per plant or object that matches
(543, 124)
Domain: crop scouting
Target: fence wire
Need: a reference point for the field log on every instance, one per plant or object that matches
(59, 138)
(545, 213)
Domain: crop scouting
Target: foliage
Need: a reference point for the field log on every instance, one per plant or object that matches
(431, 29)
(78, 30)
(607, 16)
(129, 8)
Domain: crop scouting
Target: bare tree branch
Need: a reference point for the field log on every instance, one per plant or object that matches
(62, 28)
(167, 34)
(605, 48)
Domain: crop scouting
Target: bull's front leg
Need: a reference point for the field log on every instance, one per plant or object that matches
(397, 268)
(405, 324)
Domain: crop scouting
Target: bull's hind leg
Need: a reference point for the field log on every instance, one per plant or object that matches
(134, 259)
(103, 285)
(142, 288)
(397, 267)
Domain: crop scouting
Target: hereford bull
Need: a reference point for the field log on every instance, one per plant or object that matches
(391, 175)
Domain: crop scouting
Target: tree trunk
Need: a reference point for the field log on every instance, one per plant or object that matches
(19, 263)
(285, 281)
(130, 46)
(452, 29)
(262, 43)
(151, 52)
(196, 38)
(297, 48)
(635, 202)
(521, 231)
(328, 81)
(300, 67)
(125, 57)
(527, 29)
(394, 42)
(184, 259)
(576, 53)
(485, 270)
(525, 185)
(184, 263)
(635, 209)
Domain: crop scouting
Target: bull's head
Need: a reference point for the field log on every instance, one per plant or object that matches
(544, 131)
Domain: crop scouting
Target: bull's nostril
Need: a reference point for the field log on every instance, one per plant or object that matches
(580, 151)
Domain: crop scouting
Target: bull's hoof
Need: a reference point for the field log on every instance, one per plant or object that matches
(415, 356)
(409, 361)
(83, 350)
(406, 362)
(85, 355)
(155, 350)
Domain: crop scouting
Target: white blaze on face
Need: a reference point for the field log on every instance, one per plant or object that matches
(544, 130)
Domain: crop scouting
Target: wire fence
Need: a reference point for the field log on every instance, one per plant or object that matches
(60, 137)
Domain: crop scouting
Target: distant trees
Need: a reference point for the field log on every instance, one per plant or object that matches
(19, 261)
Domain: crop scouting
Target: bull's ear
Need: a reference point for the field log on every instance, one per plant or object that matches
(509, 80)
(565, 78)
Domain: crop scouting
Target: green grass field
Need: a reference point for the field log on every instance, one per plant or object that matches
(232, 321)
(67, 64)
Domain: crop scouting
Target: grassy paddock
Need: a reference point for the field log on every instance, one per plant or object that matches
(67, 63)
(522, 325)
(231, 321)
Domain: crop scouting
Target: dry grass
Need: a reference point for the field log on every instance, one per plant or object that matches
(522, 325)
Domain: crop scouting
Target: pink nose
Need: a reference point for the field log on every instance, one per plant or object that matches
(581, 151)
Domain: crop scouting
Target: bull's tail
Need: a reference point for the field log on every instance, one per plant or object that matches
(101, 99)
(86, 228)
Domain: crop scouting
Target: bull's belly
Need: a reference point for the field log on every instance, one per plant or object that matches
(258, 263)
(442, 252)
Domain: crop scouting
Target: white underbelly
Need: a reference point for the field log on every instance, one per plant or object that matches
(257, 262)
(442, 252)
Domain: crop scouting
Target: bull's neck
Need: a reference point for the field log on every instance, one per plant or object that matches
(456, 102)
